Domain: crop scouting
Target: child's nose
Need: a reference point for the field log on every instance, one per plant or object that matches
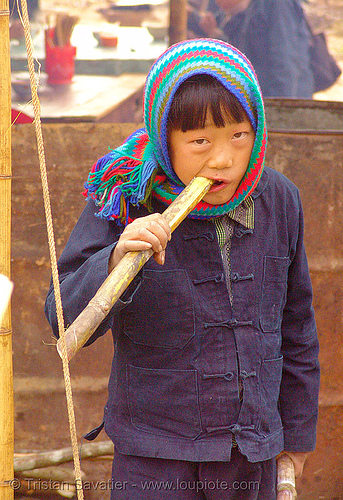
(222, 158)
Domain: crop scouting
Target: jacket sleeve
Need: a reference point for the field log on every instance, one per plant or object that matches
(83, 267)
(300, 381)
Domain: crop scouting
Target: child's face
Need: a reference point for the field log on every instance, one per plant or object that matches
(218, 153)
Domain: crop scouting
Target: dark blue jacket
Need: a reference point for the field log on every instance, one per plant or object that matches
(181, 348)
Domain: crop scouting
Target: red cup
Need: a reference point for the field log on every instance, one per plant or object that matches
(108, 40)
(59, 61)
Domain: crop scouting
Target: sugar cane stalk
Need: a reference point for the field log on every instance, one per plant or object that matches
(285, 477)
(119, 279)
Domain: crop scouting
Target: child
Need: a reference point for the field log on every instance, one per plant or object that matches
(215, 369)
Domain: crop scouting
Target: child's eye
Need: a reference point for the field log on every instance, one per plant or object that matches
(200, 141)
(240, 135)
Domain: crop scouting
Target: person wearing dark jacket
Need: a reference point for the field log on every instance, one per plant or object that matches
(273, 34)
(215, 371)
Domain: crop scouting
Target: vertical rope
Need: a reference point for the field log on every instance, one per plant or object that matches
(52, 248)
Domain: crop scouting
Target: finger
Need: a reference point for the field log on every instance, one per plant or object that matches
(136, 245)
(146, 236)
(160, 257)
(161, 223)
(155, 234)
(124, 247)
(161, 220)
(140, 238)
(151, 220)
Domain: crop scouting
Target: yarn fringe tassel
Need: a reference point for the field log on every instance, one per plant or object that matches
(120, 179)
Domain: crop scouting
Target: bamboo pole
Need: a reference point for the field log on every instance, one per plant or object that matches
(177, 21)
(6, 368)
(119, 279)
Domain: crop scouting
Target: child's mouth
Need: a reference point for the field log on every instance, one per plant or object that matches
(217, 186)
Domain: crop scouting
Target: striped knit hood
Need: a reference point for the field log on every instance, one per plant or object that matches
(141, 167)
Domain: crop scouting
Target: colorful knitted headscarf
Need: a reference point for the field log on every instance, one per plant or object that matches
(127, 175)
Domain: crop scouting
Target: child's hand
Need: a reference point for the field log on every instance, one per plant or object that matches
(152, 231)
(298, 458)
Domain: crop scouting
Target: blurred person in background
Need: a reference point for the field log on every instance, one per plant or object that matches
(273, 34)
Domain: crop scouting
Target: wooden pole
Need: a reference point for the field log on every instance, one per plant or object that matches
(177, 21)
(63, 455)
(6, 369)
(119, 279)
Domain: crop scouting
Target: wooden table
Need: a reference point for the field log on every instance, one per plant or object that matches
(135, 53)
(89, 99)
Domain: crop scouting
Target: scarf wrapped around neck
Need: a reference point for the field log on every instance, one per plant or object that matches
(141, 167)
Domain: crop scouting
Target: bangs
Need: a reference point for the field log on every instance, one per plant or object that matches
(199, 95)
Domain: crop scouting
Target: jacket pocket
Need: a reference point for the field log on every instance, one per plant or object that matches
(155, 403)
(161, 313)
(270, 381)
(274, 291)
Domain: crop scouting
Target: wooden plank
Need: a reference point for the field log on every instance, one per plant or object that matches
(87, 98)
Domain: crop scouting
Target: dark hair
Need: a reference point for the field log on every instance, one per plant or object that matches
(197, 95)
